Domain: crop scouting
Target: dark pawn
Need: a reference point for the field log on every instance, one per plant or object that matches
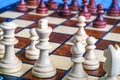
(22, 6)
(84, 10)
(52, 4)
(42, 9)
(65, 11)
(99, 21)
(114, 9)
(33, 2)
(74, 5)
(92, 7)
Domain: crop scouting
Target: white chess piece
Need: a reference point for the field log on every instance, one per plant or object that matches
(91, 61)
(9, 63)
(2, 47)
(81, 35)
(77, 72)
(43, 67)
(112, 63)
(32, 52)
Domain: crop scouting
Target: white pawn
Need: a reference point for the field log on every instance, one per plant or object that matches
(91, 62)
(77, 72)
(81, 35)
(2, 47)
(112, 63)
(32, 52)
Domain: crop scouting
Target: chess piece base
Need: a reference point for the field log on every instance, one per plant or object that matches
(32, 54)
(42, 10)
(99, 24)
(113, 12)
(22, 7)
(65, 13)
(44, 71)
(10, 67)
(87, 15)
(52, 5)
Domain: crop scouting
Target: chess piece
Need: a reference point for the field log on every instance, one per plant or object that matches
(32, 52)
(92, 7)
(112, 63)
(22, 6)
(81, 35)
(33, 2)
(91, 61)
(99, 21)
(44, 67)
(65, 11)
(84, 10)
(2, 47)
(114, 9)
(42, 9)
(74, 5)
(77, 72)
(52, 4)
(9, 63)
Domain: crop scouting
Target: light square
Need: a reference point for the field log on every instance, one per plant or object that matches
(25, 68)
(100, 55)
(54, 20)
(93, 78)
(54, 46)
(22, 23)
(107, 28)
(112, 37)
(61, 62)
(65, 29)
(11, 14)
(24, 33)
(34, 12)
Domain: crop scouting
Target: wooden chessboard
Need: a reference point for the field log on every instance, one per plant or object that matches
(60, 39)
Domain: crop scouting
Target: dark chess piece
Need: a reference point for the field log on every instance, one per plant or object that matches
(99, 21)
(51, 4)
(22, 6)
(84, 11)
(74, 5)
(114, 9)
(65, 11)
(92, 7)
(42, 9)
(33, 2)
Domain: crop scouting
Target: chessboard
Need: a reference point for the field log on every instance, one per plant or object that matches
(64, 28)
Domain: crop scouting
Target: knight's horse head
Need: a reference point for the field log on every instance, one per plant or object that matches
(112, 63)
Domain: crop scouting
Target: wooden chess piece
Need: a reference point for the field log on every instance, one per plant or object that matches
(42, 9)
(81, 35)
(2, 47)
(91, 62)
(32, 52)
(112, 63)
(77, 72)
(22, 6)
(9, 63)
(65, 11)
(43, 68)
(92, 7)
(33, 2)
(51, 4)
(99, 21)
(74, 5)
(84, 10)
(114, 9)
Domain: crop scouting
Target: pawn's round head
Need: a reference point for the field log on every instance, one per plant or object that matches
(82, 19)
(100, 6)
(91, 40)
